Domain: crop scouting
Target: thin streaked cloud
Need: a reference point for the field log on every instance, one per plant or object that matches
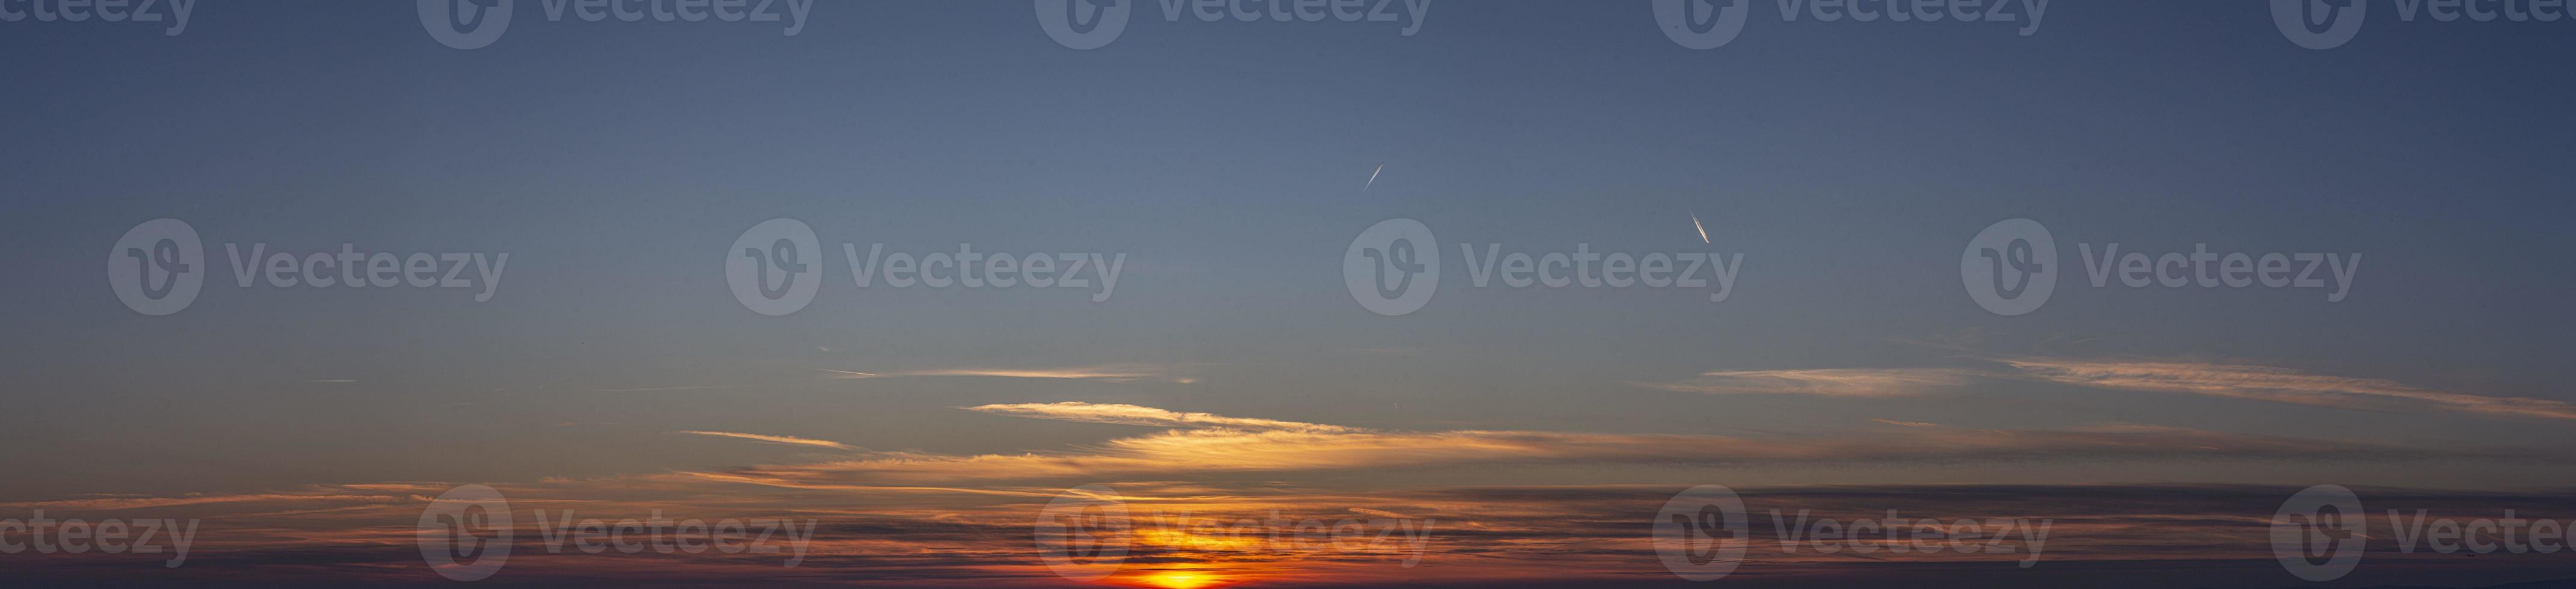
(115, 503)
(2237, 381)
(910, 511)
(791, 440)
(1832, 382)
(2280, 385)
(1215, 443)
(1492, 535)
(664, 389)
(1140, 415)
(1123, 372)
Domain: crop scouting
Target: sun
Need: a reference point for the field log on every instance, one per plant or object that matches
(1181, 580)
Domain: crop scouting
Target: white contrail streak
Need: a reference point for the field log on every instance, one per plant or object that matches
(1703, 231)
(1381, 168)
(774, 439)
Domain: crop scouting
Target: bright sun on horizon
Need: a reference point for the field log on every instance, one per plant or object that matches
(1182, 580)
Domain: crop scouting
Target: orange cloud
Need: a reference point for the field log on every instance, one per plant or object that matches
(1140, 415)
(1214, 443)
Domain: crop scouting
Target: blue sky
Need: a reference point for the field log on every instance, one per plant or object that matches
(1847, 162)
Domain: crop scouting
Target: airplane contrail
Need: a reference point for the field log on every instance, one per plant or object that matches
(848, 374)
(1381, 168)
(1703, 231)
(664, 389)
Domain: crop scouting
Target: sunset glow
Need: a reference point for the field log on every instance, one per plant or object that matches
(1077, 294)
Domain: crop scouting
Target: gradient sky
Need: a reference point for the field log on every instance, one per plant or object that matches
(1848, 163)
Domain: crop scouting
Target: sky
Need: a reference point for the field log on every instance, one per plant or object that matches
(1233, 171)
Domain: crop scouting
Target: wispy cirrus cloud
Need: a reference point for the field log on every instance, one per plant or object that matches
(1141, 415)
(2239, 381)
(2280, 385)
(896, 516)
(1122, 372)
(1831, 382)
(120, 503)
(790, 440)
(1206, 443)
(1486, 535)
(665, 389)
